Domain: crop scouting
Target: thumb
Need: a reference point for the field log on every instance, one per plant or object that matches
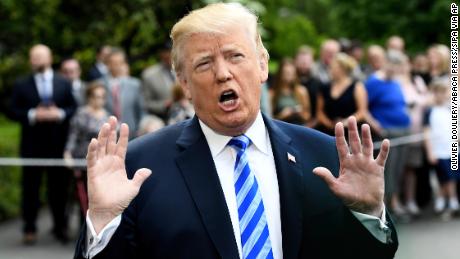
(326, 175)
(140, 176)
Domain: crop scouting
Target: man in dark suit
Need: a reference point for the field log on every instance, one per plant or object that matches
(99, 69)
(43, 104)
(232, 183)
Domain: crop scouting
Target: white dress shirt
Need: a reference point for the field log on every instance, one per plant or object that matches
(262, 164)
(44, 83)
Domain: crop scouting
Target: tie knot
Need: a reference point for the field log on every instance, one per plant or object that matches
(240, 142)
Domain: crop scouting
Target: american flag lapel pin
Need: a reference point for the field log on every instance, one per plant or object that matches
(291, 158)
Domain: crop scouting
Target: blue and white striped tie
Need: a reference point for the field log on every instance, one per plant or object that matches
(255, 238)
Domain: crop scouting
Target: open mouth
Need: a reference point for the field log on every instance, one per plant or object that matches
(228, 100)
(228, 97)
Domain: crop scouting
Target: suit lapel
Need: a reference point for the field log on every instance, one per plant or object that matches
(289, 173)
(34, 91)
(55, 87)
(199, 172)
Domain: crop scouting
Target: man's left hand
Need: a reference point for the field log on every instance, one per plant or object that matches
(361, 182)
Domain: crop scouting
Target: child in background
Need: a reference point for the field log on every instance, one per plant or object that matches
(437, 143)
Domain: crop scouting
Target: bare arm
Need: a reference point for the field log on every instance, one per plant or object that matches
(320, 114)
(305, 103)
(360, 96)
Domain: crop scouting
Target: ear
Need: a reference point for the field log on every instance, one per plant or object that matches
(263, 63)
(184, 85)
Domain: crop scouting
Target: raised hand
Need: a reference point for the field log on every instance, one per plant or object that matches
(109, 189)
(361, 182)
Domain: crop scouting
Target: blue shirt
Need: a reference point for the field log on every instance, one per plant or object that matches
(386, 103)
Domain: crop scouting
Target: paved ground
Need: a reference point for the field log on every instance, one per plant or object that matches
(427, 238)
(47, 247)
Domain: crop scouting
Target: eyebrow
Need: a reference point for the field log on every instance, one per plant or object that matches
(205, 54)
(201, 57)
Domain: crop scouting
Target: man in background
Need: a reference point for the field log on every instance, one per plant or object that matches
(329, 49)
(43, 103)
(99, 69)
(157, 83)
(71, 70)
(124, 99)
(304, 64)
(395, 42)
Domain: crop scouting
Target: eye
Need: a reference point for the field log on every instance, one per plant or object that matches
(202, 66)
(236, 56)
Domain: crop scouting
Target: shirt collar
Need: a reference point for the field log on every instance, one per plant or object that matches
(257, 133)
(102, 67)
(47, 74)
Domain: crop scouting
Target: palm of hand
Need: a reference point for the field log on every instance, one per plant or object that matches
(361, 179)
(109, 189)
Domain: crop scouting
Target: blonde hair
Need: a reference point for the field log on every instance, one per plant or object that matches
(214, 19)
(347, 63)
(444, 53)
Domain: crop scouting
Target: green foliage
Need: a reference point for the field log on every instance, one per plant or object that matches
(9, 176)
(286, 34)
(419, 22)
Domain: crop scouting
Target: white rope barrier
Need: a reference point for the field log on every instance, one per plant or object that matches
(7, 161)
(402, 140)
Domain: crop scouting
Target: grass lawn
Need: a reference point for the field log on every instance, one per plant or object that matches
(9, 176)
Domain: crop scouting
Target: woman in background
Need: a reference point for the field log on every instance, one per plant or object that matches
(416, 96)
(342, 98)
(388, 118)
(84, 126)
(290, 100)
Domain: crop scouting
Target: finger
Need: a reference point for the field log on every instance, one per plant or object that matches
(340, 141)
(326, 175)
(383, 154)
(140, 176)
(113, 122)
(91, 156)
(368, 146)
(122, 144)
(112, 140)
(353, 135)
(102, 139)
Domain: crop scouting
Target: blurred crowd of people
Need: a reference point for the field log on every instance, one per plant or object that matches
(397, 95)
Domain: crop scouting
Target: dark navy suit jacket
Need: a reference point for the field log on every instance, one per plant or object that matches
(42, 139)
(180, 211)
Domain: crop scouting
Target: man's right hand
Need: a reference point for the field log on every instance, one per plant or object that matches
(109, 189)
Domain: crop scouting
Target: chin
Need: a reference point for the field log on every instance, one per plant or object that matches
(237, 123)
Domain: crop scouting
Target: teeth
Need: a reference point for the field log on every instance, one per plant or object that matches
(227, 93)
(229, 102)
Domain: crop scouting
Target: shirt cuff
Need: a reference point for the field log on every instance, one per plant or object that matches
(377, 226)
(95, 243)
(31, 116)
(61, 114)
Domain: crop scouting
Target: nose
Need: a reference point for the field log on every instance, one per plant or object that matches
(223, 74)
